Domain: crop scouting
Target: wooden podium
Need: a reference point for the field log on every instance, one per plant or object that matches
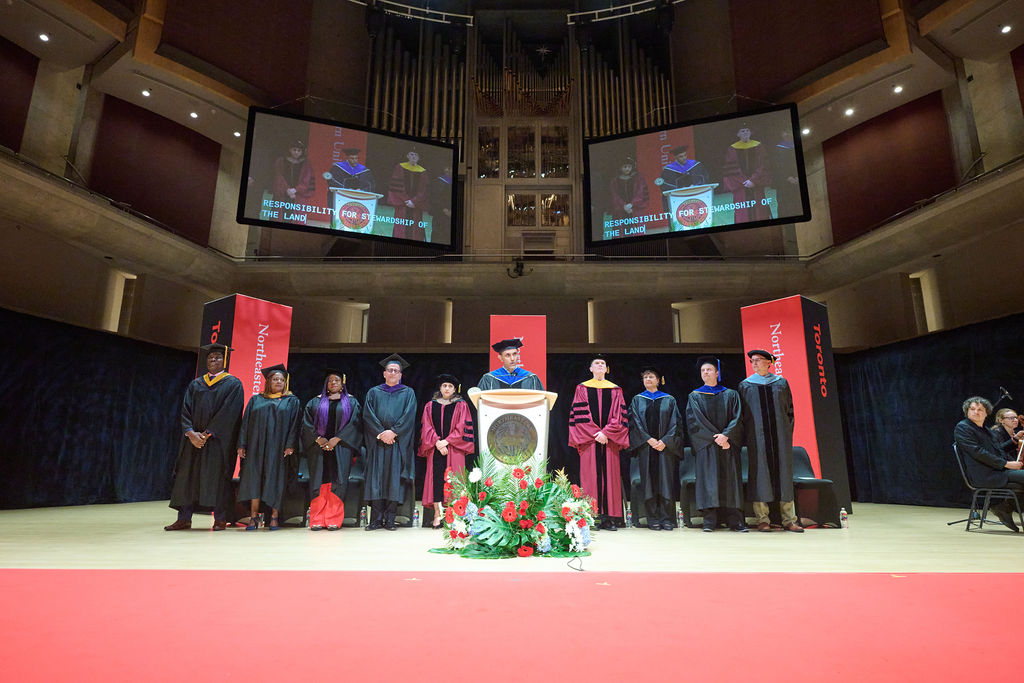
(513, 425)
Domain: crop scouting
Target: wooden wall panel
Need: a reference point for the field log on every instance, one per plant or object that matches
(885, 165)
(17, 79)
(160, 168)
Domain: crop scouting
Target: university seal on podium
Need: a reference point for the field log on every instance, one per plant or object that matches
(512, 438)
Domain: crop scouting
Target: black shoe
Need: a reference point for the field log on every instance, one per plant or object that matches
(741, 528)
(654, 526)
(1006, 517)
(374, 525)
(708, 527)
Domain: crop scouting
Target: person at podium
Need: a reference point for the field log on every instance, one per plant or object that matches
(349, 174)
(389, 433)
(598, 430)
(681, 172)
(509, 375)
(211, 414)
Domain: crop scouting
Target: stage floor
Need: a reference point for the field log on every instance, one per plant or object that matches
(881, 538)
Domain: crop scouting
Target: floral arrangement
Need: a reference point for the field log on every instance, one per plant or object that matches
(495, 511)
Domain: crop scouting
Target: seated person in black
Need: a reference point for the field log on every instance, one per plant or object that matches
(1007, 432)
(986, 464)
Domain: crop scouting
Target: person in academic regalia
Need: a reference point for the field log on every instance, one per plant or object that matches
(389, 432)
(408, 192)
(680, 172)
(509, 375)
(293, 175)
(628, 189)
(270, 433)
(211, 413)
(332, 434)
(655, 435)
(350, 174)
(598, 430)
(768, 433)
(745, 173)
(446, 438)
(713, 419)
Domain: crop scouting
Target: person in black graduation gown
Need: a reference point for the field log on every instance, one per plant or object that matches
(713, 420)
(211, 413)
(332, 434)
(768, 422)
(656, 440)
(269, 434)
(510, 375)
(389, 432)
(986, 464)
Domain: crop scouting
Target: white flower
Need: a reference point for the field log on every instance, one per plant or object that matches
(475, 475)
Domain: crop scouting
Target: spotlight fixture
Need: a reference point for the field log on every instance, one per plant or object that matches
(805, 131)
(1006, 28)
(45, 38)
(146, 92)
(849, 111)
(897, 89)
(194, 115)
(237, 134)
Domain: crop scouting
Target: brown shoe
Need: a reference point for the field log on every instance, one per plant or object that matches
(179, 525)
(793, 526)
(220, 525)
(764, 526)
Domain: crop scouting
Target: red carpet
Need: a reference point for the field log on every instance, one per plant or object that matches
(111, 625)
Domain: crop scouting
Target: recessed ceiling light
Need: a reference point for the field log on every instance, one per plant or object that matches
(849, 111)
(1006, 28)
(194, 115)
(237, 134)
(146, 92)
(897, 89)
(43, 37)
(805, 131)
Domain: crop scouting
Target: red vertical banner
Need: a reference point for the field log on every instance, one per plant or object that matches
(777, 327)
(654, 152)
(532, 330)
(261, 337)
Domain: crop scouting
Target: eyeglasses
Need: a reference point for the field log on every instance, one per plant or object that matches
(392, 371)
(1008, 417)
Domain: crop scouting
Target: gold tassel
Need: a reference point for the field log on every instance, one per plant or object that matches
(344, 378)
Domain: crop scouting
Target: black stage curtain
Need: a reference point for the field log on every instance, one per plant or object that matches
(90, 417)
(900, 403)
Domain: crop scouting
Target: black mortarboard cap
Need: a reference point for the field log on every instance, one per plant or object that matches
(712, 360)
(506, 344)
(332, 371)
(650, 368)
(394, 358)
(275, 368)
(760, 352)
(445, 377)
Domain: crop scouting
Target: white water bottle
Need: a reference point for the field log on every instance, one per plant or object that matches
(415, 516)
(629, 515)
(844, 518)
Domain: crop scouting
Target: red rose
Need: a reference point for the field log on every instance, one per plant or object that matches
(523, 485)
(449, 515)
(518, 473)
(576, 491)
(525, 550)
(524, 506)
(540, 528)
(453, 533)
(593, 505)
(525, 524)
(488, 482)
(541, 515)
(538, 483)
(581, 522)
(509, 515)
(482, 496)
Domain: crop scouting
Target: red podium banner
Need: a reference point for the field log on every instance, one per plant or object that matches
(532, 330)
(795, 330)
